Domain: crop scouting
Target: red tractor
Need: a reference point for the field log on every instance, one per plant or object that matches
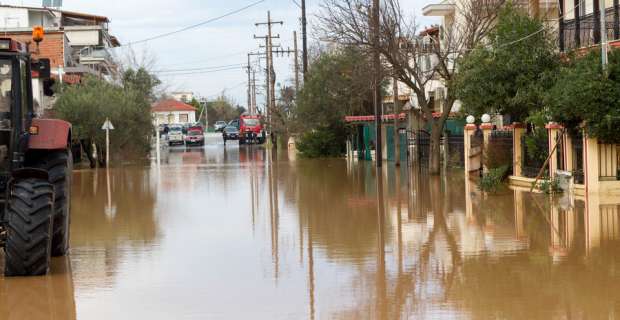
(35, 168)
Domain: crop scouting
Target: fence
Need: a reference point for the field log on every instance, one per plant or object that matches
(608, 162)
(423, 146)
(500, 149)
(456, 150)
(535, 150)
(577, 163)
(587, 32)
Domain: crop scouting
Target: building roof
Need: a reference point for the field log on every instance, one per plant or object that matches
(68, 14)
(170, 105)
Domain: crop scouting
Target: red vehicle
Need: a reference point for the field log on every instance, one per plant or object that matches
(35, 167)
(250, 129)
(195, 136)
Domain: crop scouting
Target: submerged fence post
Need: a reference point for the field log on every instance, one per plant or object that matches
(470, 130)
(553, 130)
(486, 128)
(518, 129)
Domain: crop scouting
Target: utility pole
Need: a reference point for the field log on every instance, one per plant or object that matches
(296, 61)
(271, 77)
(254, 111)
(376, 81)
(304, 38)
(603, 35)
(250, 86)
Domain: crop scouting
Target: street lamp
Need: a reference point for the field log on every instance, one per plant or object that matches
(470, 119)
(486, 118)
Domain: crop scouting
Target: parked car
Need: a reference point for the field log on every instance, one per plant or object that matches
(219, 126)
(175, 134)
(195, 136)
(230, 133)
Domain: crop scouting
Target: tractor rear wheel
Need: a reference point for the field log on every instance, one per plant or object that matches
(59, 165)
(29, 212)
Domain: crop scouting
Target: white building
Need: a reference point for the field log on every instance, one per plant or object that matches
(184, 96)
(172, 111)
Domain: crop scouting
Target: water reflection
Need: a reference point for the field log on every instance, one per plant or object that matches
(236, 232)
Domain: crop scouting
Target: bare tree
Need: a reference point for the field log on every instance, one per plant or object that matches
(402, 48)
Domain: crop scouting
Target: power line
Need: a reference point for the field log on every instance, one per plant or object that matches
(198, 68)
(194, 25)
(198, 72)
(296, 3)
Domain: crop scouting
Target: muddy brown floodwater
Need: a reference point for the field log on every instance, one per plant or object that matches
(234, 233)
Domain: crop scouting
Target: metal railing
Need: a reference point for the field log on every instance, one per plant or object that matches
(533, 157)
(608, 162)
(587, 32)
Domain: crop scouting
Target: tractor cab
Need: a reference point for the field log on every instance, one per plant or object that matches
(35, 167)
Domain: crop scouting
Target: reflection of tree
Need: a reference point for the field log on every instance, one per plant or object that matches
(134, 199)
(341, 215)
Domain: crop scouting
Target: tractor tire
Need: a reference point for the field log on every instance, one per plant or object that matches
(29, 232)
(59, 165)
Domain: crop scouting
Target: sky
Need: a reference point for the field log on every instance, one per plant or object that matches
(222, 43)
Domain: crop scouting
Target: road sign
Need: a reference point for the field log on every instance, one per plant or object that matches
(107, 125)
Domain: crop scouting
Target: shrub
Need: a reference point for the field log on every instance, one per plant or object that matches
(492, 180)
(321, 142)
(550, 186)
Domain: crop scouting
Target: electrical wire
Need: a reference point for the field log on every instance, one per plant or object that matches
(198, 68)
(296, 3)
(196, 73)
(194, 25)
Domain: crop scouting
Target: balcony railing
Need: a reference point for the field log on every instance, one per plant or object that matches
(585, 31)
(94, 55)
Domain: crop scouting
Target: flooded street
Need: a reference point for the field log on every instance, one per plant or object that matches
(234, 233)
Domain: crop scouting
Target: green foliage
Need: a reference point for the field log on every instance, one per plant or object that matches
(537, 145)
(509, 77)
(550, 186)
(223, 108)
(492, 180)
(88, 104)
(583, 94)
(338, 84)
(322, 142)
(141, 81)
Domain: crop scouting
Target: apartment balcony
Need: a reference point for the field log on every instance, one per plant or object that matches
(94, 55)
(584, 31)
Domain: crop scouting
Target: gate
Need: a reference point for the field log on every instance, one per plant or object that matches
(423, 143)
(475, 151)
(577, 146)
(535, 150)
(500, 150)
(456, 150)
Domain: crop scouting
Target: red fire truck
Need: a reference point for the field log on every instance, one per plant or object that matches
(250, 128)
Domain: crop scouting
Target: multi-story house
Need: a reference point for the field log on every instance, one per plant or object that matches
(580, 23)
(76, 43)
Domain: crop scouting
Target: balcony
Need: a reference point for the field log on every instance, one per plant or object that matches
(585, 31)
(94, 55)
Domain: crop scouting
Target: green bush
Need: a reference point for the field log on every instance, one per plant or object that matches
(321, 142)
(492, 180)
(550, 186)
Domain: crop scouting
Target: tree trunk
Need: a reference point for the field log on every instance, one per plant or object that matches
(435, 146)
(396, 121)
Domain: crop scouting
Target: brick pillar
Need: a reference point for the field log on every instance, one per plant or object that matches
(553, 130)
(469, 131)
(486, 134)
(591, 164)
(518, 130)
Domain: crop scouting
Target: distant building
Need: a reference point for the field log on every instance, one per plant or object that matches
(171, 111)
(76, 43)
(184, 96)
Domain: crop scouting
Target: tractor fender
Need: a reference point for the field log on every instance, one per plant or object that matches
(53, 134)
(29, 172)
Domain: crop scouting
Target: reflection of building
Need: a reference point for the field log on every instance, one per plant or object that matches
(173, 111)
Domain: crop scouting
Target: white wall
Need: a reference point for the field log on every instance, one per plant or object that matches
(83, 37)
(13, 18)
(174, 117)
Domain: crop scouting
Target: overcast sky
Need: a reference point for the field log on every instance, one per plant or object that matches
(222, 43)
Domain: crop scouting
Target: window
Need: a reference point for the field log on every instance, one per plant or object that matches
(183, 118)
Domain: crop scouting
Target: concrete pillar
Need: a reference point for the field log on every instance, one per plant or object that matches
(591, 164)
(593, 222)
(518, 130)
(469, 131)
(486, 128)
(519, 208)
(553, 130)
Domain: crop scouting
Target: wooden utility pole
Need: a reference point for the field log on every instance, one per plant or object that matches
(271, 77)
(296, 61)
(377, 81)
(250, 86)
(304, 38)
